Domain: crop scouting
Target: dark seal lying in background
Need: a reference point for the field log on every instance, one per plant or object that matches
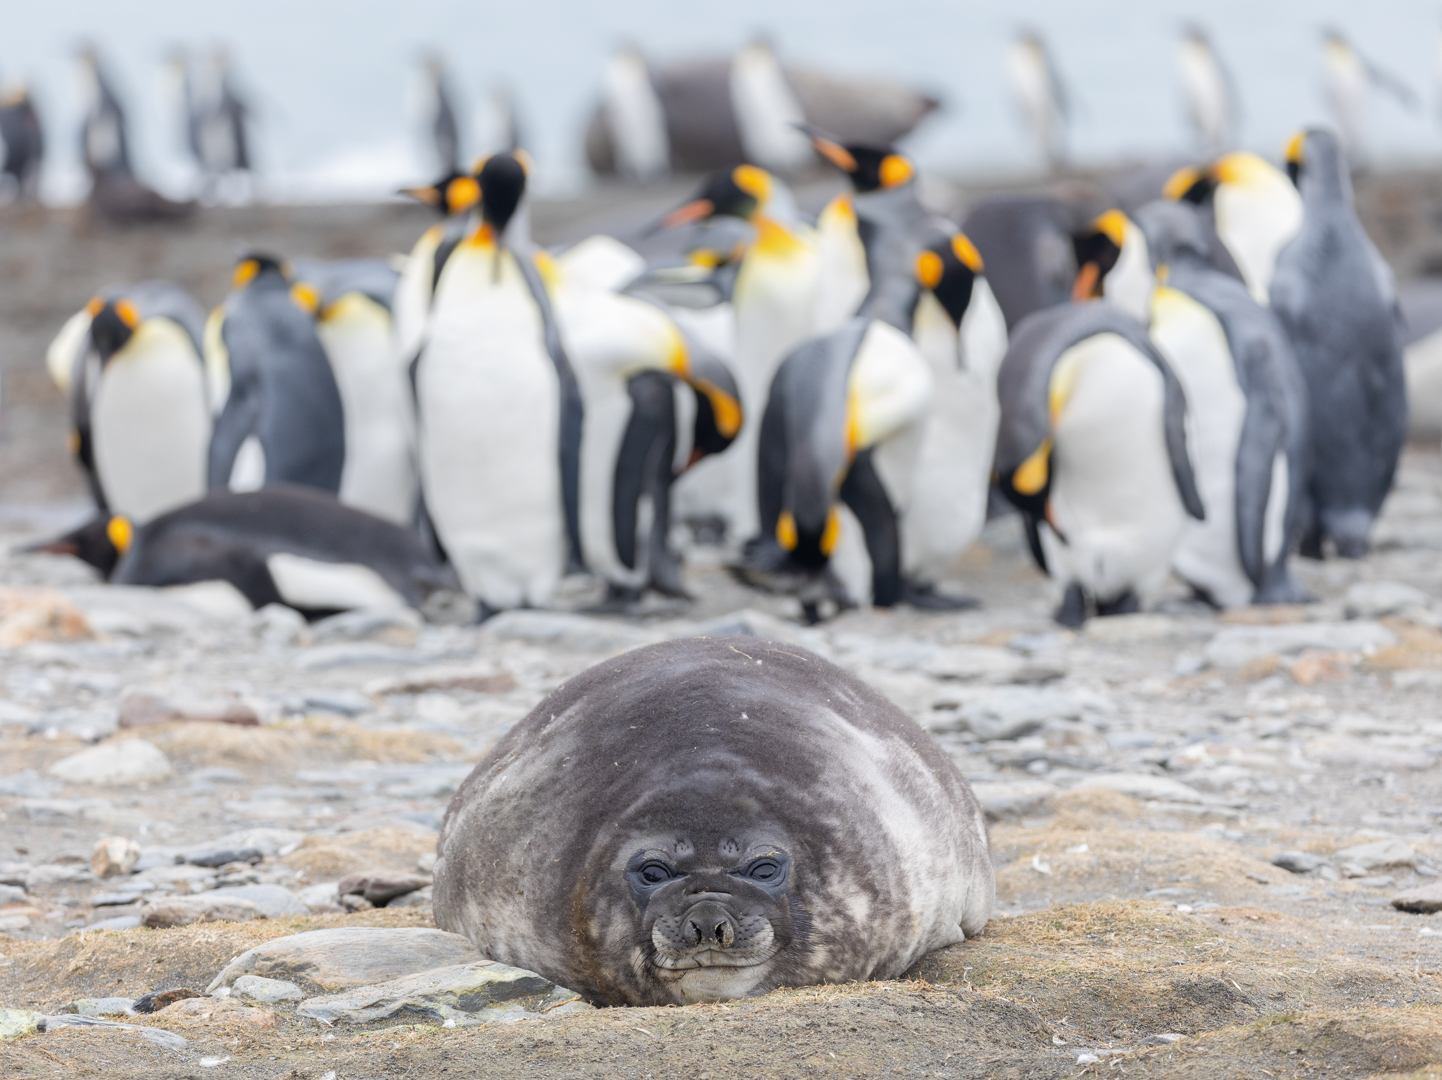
(710, 819)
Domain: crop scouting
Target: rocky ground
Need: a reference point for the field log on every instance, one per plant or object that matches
(185, 780)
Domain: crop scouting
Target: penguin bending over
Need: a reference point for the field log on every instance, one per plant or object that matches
(351, 300)
(1092, 448)
(130, 364)
(283, 544)
(282, 419)
(499, 410)
(1335, 296)
(1247, 411)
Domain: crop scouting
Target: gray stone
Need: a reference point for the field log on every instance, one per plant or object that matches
(137, 611)
(221, 856)
(107, 1006)
(321, 898)
(1237, 646)
(748, 622)
(267, 841)
(118, 922)
(124, 763)
(393, 626)
(1144, 786)
(379, 888)
(266, 991)
(1013, 711)
(1013, 800)
(1299, 862)
(206, 907)
(271, 901)
(147, 708)
(354, 654)
(87, 725)
(13, 715)
(160, 1037)
(277, 625)
(350, 956)
(1374, 599)
(1426, 900)
(1132, 629)
(38, 877)
(340, 702)
(114, 856)
(473, 992)
(12, 894)
(419, 898)
(114, 899)
(64, 811)
(27, 783)
(577, 633)
(1378, 854)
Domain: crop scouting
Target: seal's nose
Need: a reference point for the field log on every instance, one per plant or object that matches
(708, 925)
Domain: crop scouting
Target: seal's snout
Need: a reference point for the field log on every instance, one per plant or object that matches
(708, 925)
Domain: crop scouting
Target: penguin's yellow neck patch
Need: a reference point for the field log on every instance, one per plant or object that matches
(965, 250)
(831, 533)
(550, 272)
(120, 532)
(305, 296)
(786, 531)
(840, 211)
(244, 273)
(1031, 475)
(774, 240)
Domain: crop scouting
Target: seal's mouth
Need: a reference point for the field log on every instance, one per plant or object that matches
(710, 935)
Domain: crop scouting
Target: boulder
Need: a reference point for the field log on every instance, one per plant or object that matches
(1237, 646)
(1144, 786)
(114, 856)
(1426, 900)
(205, 907)
(350, 956)
(114, 764)
(1299, 862)
(379, 888)
(266, 991)
(1378, 854)
(464, 993)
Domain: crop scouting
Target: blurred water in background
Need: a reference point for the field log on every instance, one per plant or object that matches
(330, 80)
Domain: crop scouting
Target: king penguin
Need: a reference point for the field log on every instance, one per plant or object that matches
(1335, 296)
(352, 301)
(22, 140)
(1092, 448)
(1254, 209)
(130, 363)
(455, 197)
(499, 410)
(1246, 406)
(1210, 92)
(1040, 94)
(280, 411)
(774, 301)
(1026, 242)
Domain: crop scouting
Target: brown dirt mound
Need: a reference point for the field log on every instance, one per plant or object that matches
(329, 858)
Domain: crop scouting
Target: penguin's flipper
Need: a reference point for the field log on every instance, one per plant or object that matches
(864, 492)
(237, 421)
(771, 459)
(652, 421)
(1262, 438)
(1033, 540)
(1174, 413)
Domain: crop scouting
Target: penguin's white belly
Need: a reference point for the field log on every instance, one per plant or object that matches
(1113, 495)
(850, 561)
(953, 470)
(1423, 360)
(1255, 225)
(843, 279)
(1194, 343)
(378, 476)
(324, 586)
(411, 304)
(775, 305)
(150, 424)
(489, 404)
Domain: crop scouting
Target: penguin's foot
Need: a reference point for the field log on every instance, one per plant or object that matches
(708, 530)
(619, 600)
(1352, 547)
(665, 577)
(1310, 546)
(484, 611)
(1073, 610)
(1125, 604)
(1283, 588)
(927, 598)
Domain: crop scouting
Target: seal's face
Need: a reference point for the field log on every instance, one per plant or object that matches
(713, 914)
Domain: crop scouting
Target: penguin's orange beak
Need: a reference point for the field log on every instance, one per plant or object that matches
(697, 210)
(1087, 279)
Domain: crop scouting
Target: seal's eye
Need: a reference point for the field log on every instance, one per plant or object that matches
(764, 870)
(655, 873)
(770, 871)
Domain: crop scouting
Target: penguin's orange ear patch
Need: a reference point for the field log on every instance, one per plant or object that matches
(965, 250)
(120, 532)
(896, 170)
(929, 269)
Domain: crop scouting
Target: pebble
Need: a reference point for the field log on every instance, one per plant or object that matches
(146, 708)
(379, 888)
(12, 894)
(559, 630)
(351, 956)
(114, 856)
(1013, 711)
(1004, 800)
(206, 907)
(1426, 900)
(107, 1006)
(1378, 854)
(220, 856)
(392, 626)
(124, 763)
(1376, 599)
(159, 1036)
(271, 901)
(1144, 786)
(1299, 862)
(266, 991)
(27, 783)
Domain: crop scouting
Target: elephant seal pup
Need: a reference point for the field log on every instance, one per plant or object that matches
(710, 819)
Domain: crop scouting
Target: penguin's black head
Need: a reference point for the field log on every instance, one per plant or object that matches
(100, 542)
(1097, 249)
(809, 543)
(255, 264)
(1190, 184)
(112, 323)
(503, 181)
(453, 194)
(738, 192)
(949, 268)
(870, 168)
(718, 407)
(1296, 156)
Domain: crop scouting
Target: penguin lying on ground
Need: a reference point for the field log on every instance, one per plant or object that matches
(282, 420)
(1336, 298)
(129, 363)
(1246, 403)
(499, 410)
(352, 306)
(282, 544)
(1092, 448)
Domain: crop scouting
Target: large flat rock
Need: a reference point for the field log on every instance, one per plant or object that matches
(482, 992)
(1238, 646)
(352, 956)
